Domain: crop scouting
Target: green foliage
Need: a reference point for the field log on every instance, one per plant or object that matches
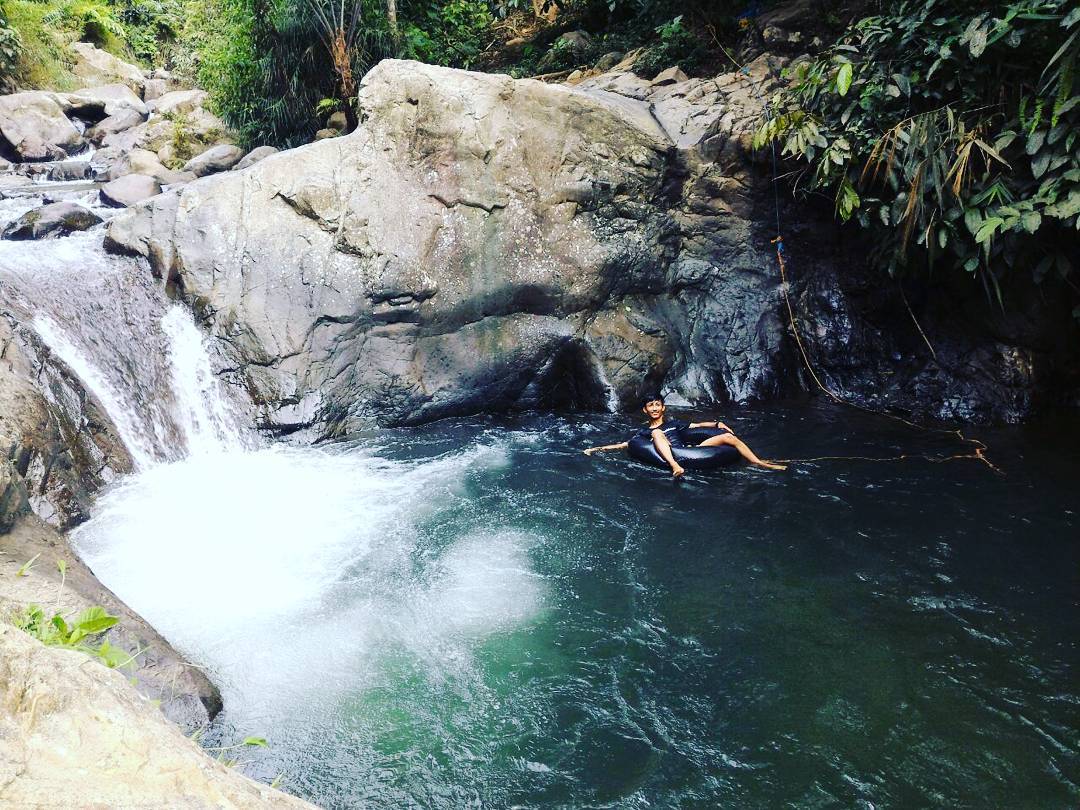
(266, 65)
(56, 631)
(950, 131)
(11, 49)
(89, 20)
(43, 59)
(450, 33)
(675, 45)
(150, 27)
(181, 139)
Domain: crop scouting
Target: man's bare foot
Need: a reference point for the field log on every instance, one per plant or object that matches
(677, 471)
(768, 465)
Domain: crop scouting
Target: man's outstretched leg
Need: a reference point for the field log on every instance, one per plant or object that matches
(744, 451)
(663, 447)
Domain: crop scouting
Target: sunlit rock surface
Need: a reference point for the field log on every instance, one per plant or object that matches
(75, 734)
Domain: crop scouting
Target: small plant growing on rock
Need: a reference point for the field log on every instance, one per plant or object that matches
(76, 634)
(182, 140)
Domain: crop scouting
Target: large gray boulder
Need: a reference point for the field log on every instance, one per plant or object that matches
(178, 102)
(216, 159)
(34, 127)
(97, 67)
(194, 131)
(73, 733)
(254, 156)
(95, 103)
(141, 162)
(51, 221)
(451, 255)
(120, 122)
(129, 189)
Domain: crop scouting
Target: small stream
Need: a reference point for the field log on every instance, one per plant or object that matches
(472, 613)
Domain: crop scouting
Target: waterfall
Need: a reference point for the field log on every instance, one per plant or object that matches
(112, 325)
(208, 422)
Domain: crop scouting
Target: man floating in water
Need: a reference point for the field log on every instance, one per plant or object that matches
(665, 435)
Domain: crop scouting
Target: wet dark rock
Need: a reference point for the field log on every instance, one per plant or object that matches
(68, 170)
(51, 221)
(608, 61)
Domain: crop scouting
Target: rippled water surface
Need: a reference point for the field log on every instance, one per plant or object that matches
(474, 613)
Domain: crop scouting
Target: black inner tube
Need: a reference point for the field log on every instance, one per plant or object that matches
(692, 457)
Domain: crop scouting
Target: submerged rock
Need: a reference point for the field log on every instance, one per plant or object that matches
(50, 221)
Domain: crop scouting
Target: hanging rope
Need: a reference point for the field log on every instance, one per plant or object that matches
(978, 447)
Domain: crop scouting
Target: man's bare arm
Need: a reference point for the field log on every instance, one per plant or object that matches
(716, 424)
(619, 446)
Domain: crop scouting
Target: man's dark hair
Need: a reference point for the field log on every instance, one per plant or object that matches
(654, 397)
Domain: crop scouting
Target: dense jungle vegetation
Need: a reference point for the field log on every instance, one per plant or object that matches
(946, 128)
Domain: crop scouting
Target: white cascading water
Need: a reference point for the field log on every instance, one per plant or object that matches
(207, 421)
(267, 564)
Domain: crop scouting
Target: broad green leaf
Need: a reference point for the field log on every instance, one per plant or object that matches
(1035, 141)
(973, 219)
(59, 623)
(843, 79)
(1040, 164)
(987, 229)
(94, 620)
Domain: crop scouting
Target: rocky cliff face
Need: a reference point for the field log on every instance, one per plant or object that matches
(478, 244)
(481, 243)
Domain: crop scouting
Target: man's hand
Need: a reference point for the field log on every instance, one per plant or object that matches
(590, 451)
(677, 471)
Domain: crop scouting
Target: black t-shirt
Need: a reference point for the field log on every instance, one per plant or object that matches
(671, 428)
